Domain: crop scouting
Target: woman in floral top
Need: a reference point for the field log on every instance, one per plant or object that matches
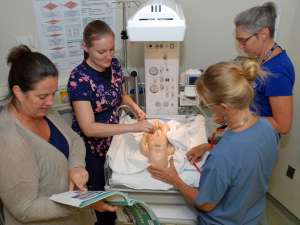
(95, 89)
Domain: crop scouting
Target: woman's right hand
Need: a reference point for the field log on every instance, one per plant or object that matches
(78, 177)
(195, 154)
(143, 126)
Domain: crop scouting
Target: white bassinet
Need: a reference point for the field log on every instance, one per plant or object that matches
(129, 166)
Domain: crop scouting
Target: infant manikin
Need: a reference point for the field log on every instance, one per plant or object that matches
(156, 147)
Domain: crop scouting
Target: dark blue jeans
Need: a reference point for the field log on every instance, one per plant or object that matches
(95, 168)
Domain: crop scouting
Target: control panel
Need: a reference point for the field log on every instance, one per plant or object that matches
(161, 77)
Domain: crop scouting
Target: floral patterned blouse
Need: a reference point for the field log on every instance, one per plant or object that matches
(104, 91)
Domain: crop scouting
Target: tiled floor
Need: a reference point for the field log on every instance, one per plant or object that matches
(278, 215)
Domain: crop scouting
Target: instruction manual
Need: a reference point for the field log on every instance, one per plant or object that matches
(130, 211)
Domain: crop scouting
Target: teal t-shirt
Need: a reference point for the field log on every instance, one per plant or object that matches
(236, 174)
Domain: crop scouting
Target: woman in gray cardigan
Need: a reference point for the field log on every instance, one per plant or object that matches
(40, 155)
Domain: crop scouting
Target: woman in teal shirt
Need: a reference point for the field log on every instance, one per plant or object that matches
(234, 179)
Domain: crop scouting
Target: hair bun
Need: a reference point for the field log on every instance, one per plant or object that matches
(251, 69)
(16, 53)
(271, 7)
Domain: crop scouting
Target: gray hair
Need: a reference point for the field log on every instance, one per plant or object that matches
(258, 17)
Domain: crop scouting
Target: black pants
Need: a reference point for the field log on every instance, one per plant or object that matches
(95, 168)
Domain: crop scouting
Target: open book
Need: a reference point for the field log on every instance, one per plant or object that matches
(130, 210)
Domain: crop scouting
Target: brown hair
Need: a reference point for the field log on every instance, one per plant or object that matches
(28, 68)
(95, 30)
(229, 83)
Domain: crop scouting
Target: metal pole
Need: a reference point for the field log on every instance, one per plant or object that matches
(124, 36)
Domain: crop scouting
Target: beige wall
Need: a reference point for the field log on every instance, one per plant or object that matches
(283, 188)
(16, 19)
(209, 39)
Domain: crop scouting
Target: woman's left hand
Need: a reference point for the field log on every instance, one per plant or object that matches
(168, 175)
(78, 177)
(195, 154)
(102, 206)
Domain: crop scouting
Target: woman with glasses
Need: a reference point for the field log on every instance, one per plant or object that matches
(96, 90)
(273, 99)
(255, 29)
(234, 179)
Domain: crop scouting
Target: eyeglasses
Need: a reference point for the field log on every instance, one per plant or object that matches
(207, 105)
(243, 41)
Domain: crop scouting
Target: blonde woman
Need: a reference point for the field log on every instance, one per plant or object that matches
(235, 178)
(96, 91)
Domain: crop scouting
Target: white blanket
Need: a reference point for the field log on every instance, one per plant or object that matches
(129, 164)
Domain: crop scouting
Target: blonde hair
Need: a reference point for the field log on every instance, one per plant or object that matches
(230, 83)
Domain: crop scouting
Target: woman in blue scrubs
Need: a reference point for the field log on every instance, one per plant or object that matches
(255, 28)
(234, 179)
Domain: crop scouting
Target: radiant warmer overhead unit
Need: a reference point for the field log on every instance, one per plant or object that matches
(157, 20)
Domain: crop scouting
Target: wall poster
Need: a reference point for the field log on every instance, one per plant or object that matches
(60, 26)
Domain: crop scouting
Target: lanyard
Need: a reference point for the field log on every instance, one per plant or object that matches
(213, 139)
(269, 53)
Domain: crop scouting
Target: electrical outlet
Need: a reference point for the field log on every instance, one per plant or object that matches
(290, 172)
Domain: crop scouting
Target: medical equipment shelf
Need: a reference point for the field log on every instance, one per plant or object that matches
(161, 197)
(169, 205)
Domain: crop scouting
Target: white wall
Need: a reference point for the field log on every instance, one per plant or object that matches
(210, 31)
(209, 38)
(16, 19)
(285, 189)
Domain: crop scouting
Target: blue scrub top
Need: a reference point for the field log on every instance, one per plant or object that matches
(279, 82)
(236, 174)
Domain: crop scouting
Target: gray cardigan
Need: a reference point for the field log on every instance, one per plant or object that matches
(31, 170)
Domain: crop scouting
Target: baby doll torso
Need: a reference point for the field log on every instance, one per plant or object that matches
(156, 147)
